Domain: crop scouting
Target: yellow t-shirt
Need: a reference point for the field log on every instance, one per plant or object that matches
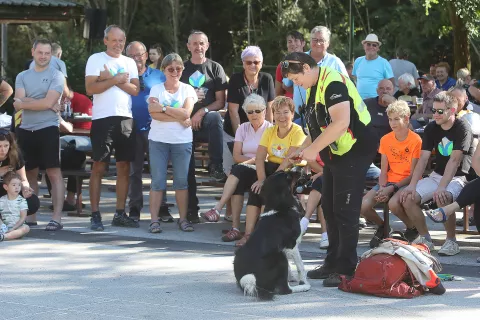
(277, 148)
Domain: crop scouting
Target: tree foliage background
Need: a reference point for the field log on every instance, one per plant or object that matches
(427, 28)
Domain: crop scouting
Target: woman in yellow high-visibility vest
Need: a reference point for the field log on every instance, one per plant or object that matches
(338, 124)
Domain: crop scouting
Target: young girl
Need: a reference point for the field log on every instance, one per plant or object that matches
(13, 209)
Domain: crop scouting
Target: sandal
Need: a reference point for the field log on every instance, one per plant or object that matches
(232, 235)
(185, 225)
(155, 227)
(242, 241)
(211, 215)
(54, 226)
(430, 214)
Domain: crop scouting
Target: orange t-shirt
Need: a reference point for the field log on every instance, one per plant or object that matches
(400, 154)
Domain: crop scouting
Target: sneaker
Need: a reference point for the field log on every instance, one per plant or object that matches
(362, 223)
(324, 243)
(134, 214)
(411, 234)
(378, 236)
(217, 173)
(449, 248)
(164, 214)
(96, 222)
(192, 217)
(423, 240)
(122, 220)
(319, 272)
(459, 222)
(232, 235)
(333, 280)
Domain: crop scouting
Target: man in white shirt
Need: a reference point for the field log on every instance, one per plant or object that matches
(112, 79)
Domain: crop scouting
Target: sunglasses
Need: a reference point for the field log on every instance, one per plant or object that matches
(439, 111)
(286, 63)
(369, 44)
(172, 69)
(4, 132)
(256, 111)
(249, 63)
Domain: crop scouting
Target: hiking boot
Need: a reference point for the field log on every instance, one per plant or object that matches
(122, 220)
(449, 248)
(411, 234)
(164, 214)
(333, 280)
(192, 217)
(378, 236)
(319, 272)
(134, 214)
(96, 222)
(423, 240)
(217, 173)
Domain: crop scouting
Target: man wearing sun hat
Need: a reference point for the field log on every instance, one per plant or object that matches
(371, 68)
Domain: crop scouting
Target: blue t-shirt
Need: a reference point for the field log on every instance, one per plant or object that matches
(140, 113)
(447, 85)
(369, 73)
(299, 93)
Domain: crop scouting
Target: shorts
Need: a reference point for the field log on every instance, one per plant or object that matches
(40, 148)
(179, 154)
(318, 184)
(254, 199)
(113, 133)
(427, 186)
(247, 176)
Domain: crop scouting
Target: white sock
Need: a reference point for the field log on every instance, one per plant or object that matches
(324, 236)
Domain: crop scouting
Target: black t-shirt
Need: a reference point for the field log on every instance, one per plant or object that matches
(20, 164)
(458, 137)
(238, 90)
(379, 117)
(412, 93)
(469, 95)
(209, 75)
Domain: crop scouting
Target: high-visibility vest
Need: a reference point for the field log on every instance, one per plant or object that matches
(326, 76)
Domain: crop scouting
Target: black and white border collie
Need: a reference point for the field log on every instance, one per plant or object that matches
(261, 266)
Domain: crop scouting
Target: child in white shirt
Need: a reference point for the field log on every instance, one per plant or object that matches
(13, 209)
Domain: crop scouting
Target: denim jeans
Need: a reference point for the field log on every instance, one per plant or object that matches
(179, 154)
(373, 172)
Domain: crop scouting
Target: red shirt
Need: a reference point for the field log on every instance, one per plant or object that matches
(279, 78)
(81, 104)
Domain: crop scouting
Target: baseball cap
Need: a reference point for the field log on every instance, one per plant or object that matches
(427, 77)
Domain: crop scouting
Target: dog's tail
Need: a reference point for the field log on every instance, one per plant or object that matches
(249, 285)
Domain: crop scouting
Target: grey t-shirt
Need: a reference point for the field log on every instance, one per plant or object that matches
(56, 64)
(37, 85)
(400, 66)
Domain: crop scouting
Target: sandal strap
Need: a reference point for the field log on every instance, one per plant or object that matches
(185, 224)
(155, 222)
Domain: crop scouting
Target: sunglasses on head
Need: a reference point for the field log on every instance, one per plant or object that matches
(4, 132)
(249, 63)
(286, 63)
(439, 111)
(370, 44)
(172, 69)
(256, 111)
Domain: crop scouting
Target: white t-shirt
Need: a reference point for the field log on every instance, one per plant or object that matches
(114, 101)
(171, 132)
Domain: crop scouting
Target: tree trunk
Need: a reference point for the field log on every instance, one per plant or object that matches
(461, 49)
(175, 5)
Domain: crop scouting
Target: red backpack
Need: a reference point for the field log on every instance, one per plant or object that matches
(383, 275)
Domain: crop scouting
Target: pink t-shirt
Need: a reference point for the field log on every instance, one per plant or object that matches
(249, 138)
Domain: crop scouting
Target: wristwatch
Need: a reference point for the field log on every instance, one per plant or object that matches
(206, 110)
(164, 109)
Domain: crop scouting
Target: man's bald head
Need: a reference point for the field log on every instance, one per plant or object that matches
(385, 86)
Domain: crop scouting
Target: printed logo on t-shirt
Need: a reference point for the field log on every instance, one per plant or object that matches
(117, 69)
(171, 103)
(197, 79)
(445, 147)
(278, 150)
(335, 96)
(398, 155)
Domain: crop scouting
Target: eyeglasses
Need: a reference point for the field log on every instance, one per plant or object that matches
(249, 63)
(286, 63)
(318, 41)
(172, 69)
(370, 44)
(137, 56)
(439, 111)
(256, 111)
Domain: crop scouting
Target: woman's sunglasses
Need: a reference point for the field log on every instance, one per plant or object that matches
(256, 111)
(249, 63)
(4, 132)
(172, 69)
(439, 111)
